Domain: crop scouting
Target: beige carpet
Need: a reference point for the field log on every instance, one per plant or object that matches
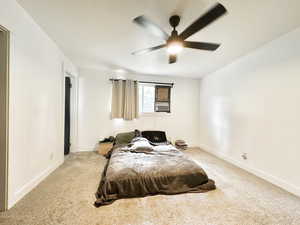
(67, 196)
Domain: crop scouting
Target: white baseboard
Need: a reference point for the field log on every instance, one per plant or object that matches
(259, 173)
(18, 195)
(84, 149)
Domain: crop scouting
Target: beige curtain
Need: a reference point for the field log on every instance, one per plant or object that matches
(124, 99)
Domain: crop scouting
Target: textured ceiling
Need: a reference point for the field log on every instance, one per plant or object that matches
(100, 33)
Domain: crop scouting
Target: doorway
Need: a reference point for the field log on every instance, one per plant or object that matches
(4, 94)
(67, 143)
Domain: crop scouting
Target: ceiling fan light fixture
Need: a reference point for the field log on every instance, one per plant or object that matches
(174, 47)
(176, 42)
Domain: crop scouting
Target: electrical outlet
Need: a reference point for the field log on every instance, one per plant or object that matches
(51, 156)
(244, 156)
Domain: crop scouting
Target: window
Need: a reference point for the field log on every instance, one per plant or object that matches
(154, 98)
(146, 98)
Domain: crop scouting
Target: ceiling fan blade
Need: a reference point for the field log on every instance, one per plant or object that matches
(215, 12)
(201, 45)
(172, 58)
(146, 50)
(151, 27)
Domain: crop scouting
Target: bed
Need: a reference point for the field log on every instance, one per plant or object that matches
(140, 169)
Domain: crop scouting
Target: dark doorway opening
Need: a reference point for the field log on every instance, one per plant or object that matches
(68, 86)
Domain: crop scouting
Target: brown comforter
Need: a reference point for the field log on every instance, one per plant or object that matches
(140, 169)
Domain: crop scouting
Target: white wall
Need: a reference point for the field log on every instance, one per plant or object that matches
(94, 121)
(253, 106)
(36, 101)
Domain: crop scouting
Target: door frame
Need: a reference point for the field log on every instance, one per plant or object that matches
(73, 106)
(4, 116)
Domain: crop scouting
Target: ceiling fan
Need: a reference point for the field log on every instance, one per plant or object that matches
(176, 42)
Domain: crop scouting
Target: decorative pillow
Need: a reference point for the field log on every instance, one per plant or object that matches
(155, 136)
(124, 138)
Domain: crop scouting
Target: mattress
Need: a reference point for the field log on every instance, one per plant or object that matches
(140, 169)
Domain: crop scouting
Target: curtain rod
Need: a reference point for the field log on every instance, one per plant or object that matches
(147, 82)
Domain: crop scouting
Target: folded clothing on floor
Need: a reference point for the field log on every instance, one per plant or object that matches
(180, 144)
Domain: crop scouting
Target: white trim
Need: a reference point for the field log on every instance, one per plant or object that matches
(259, 173)
(86, 149)
(19, 194)
(74, 112)
(63, 107)
(154, 114)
